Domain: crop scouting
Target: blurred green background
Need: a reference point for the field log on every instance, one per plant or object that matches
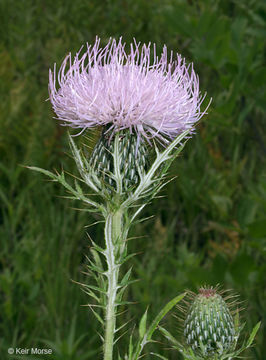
(209, 227)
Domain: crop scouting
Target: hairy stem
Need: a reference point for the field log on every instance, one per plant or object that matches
(114, 245)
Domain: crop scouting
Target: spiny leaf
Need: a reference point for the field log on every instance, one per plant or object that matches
(126, 258)
(148, 335)
(61, 179)
(95, 268)
(142, 325)
(94, 223)
(120, 336)
(97, 247)
(129, 282)
(253, 334)
(94, 288)
(97, 316)
(162, 313)
(143, 219)
(122, 289)
(43, 171)
(126, 277)
(119, 303)
(92, 294)
(123, 325)
(130, 348)
(78, 188)
(168, 336)
(159, 356)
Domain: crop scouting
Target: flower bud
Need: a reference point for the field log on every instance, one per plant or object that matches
(209, 326)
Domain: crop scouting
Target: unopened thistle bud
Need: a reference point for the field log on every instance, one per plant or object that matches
(209, 327)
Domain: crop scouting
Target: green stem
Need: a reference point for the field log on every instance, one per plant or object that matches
(114, 245)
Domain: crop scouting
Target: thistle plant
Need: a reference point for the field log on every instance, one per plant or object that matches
(146, 107)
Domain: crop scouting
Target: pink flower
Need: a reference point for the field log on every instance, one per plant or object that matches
(139, 90)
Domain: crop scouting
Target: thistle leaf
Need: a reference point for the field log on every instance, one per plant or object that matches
(148, 335)
(142, 325)
(61, 179)
(126, 277)
(126, 258)
(168, 336)
(82, 164)
(253, 334)
(93, 288)
(130, 348)
(97, 316)
(159, 356)
(91, 294)
(97, 247)
(162, 313)
(119, 303)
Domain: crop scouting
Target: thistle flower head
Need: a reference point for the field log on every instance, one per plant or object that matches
(138, 90)
(209, 327)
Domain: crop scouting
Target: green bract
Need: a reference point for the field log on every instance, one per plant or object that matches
(133, 159)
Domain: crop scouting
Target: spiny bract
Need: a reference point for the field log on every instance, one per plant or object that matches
(133, 160)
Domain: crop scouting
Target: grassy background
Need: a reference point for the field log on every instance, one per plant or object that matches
(211, 225)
